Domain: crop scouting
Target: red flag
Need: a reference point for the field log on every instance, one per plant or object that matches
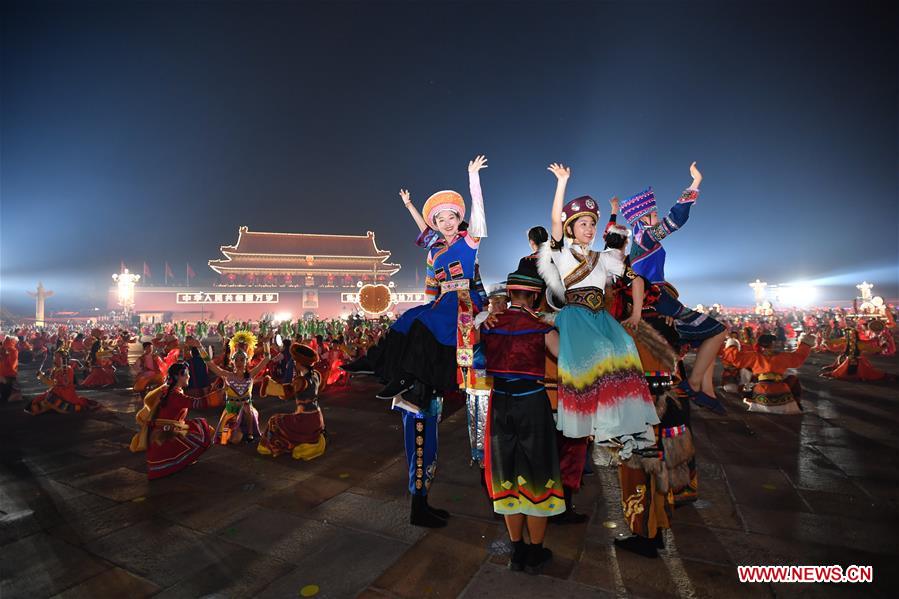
(416, 277)
(122, 266)
(168, 272)
(190, 273)
(146, 271)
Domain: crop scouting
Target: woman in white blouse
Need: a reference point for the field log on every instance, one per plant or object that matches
(602, 390)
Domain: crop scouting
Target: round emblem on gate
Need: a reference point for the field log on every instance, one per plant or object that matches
(375, 299)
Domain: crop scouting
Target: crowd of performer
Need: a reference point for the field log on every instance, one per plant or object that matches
(582, 346)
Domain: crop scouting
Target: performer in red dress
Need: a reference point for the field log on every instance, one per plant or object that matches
(102, 372)
(302, 433)
(61, 396)
(171, 439)
(9, 368)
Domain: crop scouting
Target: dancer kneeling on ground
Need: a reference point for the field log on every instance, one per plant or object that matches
(303, 432)
(521, 458)
(240, 419)
(171, 439)
(776, 392)
(61, 397)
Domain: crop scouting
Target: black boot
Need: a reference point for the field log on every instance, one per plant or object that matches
(639, 545)
(442, 514)
(359, 366)
(659, 539)
(421, 516)
(569, 516)
(538, 556)
(397, 386)
(519, 556)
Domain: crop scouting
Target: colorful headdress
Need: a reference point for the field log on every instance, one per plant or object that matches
(639, 205)
(246, 338)
(526, 278)
(443, 200)
(303, 355)
(615, 228)
(578, 207)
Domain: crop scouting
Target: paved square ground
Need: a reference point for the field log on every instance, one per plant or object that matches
(79, 519)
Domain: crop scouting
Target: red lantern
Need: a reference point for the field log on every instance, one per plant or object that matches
(288, 279)
(232, 277)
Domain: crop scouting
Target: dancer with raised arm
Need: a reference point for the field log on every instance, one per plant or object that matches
(602, 390)
(648, 260)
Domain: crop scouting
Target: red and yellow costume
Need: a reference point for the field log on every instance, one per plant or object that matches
(171, 439)
(775, 392)
(851, 365)
(61, 396)
(302, 434)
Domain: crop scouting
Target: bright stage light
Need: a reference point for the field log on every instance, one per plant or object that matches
(796, 294)
(282, 316)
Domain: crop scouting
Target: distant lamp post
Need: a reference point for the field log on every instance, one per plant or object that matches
(126, 281)
(865, 287)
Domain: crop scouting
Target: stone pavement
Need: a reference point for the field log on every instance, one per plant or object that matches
(79, 519)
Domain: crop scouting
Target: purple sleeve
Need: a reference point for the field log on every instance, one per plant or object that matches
(427, 238)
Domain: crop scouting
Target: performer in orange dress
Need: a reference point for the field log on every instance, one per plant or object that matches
(775, 392)
(61, 397)
(171, 439)
(9, 368)
(851, 365)
(150, 369)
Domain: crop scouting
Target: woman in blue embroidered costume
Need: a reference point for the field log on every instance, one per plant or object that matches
(602, 391)
(430, 349)
(648, 260)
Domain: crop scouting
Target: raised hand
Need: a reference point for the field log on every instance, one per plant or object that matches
(561, 172)
(614, 203)
(694, 172)
(406, 196)
(477, 164)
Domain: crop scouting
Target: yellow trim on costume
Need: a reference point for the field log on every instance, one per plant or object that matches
(309, 451)
(628, 362)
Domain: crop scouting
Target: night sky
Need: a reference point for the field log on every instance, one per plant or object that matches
(151, 131)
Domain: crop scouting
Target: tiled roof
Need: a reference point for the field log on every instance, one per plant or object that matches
(301, 252)
(304, 244)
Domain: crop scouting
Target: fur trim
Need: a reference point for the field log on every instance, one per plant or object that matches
(549, 272)
(679, 476)
(678, 449)
(605, 457)
(661, 405)
(618, 229)
(808, 339)
(731, 342)
(656, 344)
(548, 317)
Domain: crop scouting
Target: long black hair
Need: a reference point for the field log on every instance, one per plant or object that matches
(175, 371)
